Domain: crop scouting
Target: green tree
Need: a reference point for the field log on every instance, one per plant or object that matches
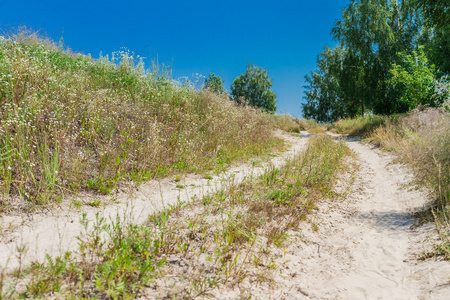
(254, 86)
(437, 16)
(415, 79)
(214, 83)
(374, 31)
(322, 92)
(437, 12)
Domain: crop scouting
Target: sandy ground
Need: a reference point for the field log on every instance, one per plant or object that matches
(366, 246)
(54, 232)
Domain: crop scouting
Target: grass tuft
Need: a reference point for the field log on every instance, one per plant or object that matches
(360, 126)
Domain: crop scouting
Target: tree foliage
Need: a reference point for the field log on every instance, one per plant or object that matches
(214, 83)
(415, 79)
(372, 68)
(254, 86)
(437, 12)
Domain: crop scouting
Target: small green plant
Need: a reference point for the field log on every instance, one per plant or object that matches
(94, 203)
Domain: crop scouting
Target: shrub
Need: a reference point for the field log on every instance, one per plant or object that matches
(254, 87)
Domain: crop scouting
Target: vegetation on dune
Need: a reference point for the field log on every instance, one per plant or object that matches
(360, 126)
(68, 122)
(223, 239)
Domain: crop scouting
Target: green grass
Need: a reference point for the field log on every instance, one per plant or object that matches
(70, 123)
(196, 247)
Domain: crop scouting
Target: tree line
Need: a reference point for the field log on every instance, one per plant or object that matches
(391, 56)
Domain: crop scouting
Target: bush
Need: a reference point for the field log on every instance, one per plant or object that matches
(254, 87)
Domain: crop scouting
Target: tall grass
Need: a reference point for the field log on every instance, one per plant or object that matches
(286, 123)
(361, 126)
(290, 124)
(220, 240)
(68, 122)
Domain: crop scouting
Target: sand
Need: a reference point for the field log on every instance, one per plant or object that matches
(367, 246)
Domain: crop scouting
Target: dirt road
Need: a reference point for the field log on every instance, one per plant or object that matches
(366, 247)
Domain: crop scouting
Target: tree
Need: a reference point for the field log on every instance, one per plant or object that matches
(415, 78)
(437, 17)
(437, 12)
(373, 32)
(322, 94)
(214, 83)
(254, 86)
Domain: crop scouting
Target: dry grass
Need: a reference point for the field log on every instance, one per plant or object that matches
(220, 241)
(291, 124)
(360, 126)
(287, 123)
(70, 123)
(317, 130)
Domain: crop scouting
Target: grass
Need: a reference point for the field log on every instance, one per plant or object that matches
(70, 123)
(295, 125)
(361, 126)
(192, 249)
(287, 123)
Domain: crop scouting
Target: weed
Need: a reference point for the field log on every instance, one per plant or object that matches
(209, 177)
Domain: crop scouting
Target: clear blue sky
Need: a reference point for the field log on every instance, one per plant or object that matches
(192, 36)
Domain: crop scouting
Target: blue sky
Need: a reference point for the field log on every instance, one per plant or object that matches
(282, 36)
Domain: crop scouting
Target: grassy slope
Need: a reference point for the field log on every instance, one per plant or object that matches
(68, 122)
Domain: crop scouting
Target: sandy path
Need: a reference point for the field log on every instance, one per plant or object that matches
(54, 232)
(366, 247)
